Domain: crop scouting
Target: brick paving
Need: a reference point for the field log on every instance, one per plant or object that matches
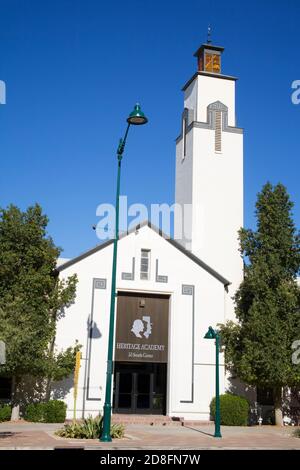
(140, 436)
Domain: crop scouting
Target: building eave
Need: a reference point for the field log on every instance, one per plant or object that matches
(173, 242)
(208, 74)
(209, 47)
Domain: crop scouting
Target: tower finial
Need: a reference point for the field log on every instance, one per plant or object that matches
(209, 34)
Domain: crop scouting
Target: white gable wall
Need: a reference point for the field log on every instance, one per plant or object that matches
(207, 305)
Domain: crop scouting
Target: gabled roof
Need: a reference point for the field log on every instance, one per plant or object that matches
(173, 242)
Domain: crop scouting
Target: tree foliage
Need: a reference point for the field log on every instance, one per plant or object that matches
(32, 298)
(259, 345)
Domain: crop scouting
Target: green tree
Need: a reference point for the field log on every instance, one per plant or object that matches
(60, 364)
(259, 346)
(31, 298)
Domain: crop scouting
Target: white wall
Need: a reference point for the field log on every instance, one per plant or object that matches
(218, 204)
(191, 98)
(211, 89)
(208, 310)
(213, 183)
(184, 192)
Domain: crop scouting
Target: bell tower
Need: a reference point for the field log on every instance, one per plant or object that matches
(209, 169)
(209, 58)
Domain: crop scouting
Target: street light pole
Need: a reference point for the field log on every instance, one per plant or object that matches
(105, 437)
(218, 411)
(137, 117)
(213, 334)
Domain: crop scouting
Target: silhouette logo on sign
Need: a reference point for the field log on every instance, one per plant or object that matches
(142, 328)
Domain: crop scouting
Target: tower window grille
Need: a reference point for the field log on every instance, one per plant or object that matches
(218, 132)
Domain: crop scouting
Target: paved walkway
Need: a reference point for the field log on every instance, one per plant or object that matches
(41, 436)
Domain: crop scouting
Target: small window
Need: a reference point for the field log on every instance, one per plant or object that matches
(145, 264)
(212, 63)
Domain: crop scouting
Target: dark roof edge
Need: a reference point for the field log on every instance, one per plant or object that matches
(208, 74)
(209, 47)
(97, 248)
(173, 242)
(83, 255)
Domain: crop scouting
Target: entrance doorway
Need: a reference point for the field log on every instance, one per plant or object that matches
(140, 388)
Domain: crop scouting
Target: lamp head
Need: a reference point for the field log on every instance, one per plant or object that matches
(137, 117)
(211, 333)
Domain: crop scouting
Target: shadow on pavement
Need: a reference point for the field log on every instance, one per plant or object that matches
(4, 435)
(200, 431)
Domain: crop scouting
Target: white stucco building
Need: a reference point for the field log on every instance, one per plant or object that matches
(168, 292)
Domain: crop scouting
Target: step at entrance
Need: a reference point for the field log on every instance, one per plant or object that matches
(151, 420)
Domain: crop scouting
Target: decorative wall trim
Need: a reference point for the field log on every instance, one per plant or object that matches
(211, 120)
(158, 277)
(188, 114)
(129, 276)
(97, 284)
(188, 289)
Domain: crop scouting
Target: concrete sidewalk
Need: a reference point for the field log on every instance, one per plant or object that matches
(41, 436)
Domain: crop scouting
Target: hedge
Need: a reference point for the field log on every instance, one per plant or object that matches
(5, 413)
(296, 433)
(234, 410)
(53, 411)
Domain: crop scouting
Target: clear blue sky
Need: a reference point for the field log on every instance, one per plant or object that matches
(74, 69)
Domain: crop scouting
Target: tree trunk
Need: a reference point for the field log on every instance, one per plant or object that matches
(15, 411)
(277, 396)
(49, 378)
(48, 388)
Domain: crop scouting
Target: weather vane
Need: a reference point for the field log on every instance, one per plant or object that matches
(209, 35)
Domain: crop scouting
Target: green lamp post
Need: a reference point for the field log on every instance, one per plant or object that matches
(213, 334)
(135, 118)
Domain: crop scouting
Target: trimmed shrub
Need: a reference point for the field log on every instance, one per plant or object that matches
(234, 410)
(5, 413)
(53, 411)
(35, 412)
(90, 428)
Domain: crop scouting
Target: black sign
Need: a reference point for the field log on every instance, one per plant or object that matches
(142, 328)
